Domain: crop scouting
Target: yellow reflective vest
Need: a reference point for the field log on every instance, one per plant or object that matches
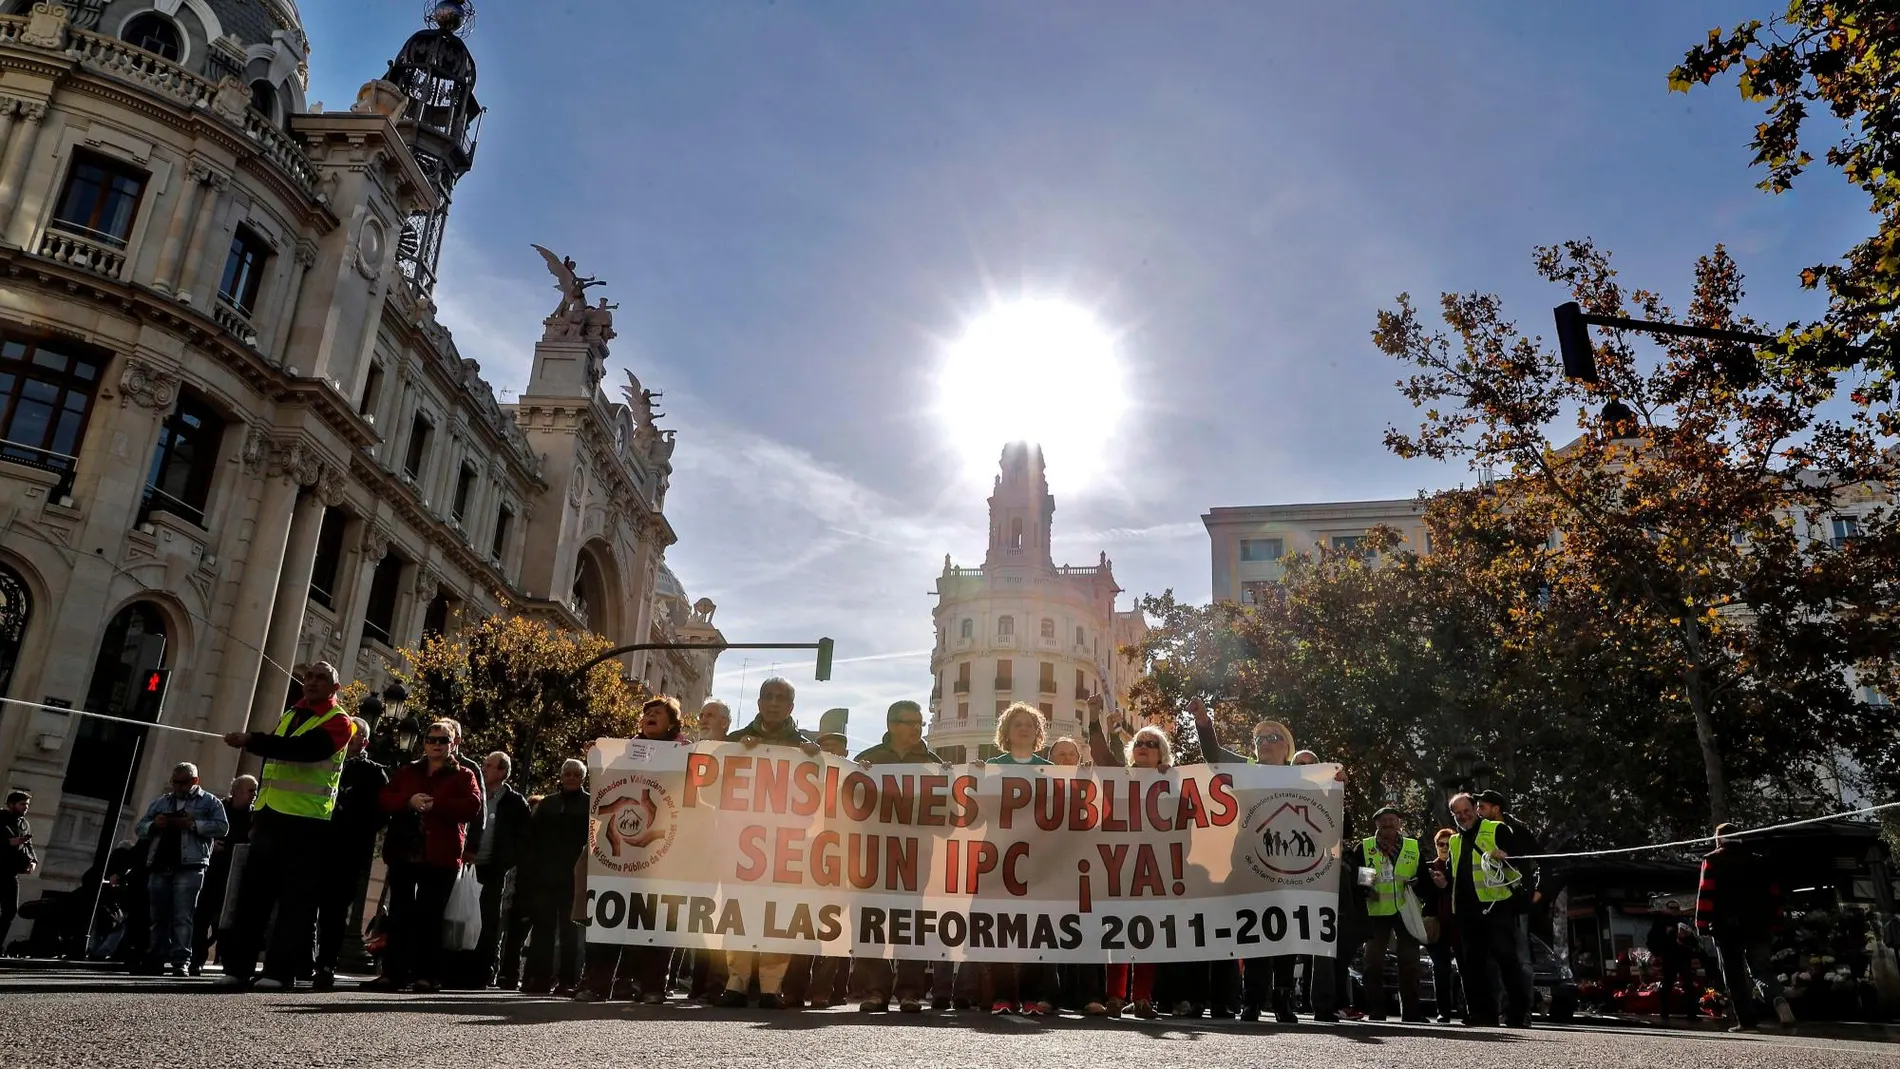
(303, 788)
(1491, 884)
(1382, 898)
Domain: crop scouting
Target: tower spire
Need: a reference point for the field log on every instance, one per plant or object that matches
(1021, 510)
(440, 123)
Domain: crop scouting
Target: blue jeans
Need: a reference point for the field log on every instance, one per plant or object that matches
(174, 907)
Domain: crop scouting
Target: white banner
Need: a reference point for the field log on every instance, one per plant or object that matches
(766, 849)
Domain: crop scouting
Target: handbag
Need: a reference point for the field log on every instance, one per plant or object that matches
(462, 918)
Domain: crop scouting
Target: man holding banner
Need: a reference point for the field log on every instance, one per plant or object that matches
(874, 978)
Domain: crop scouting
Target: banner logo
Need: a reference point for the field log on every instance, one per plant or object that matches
(638, 822)
(1291, 838)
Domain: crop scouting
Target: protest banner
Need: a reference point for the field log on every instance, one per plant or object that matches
(769, 850)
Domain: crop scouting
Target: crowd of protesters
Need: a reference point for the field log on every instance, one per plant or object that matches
(1462, 899)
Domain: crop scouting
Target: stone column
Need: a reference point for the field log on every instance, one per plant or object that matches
(373, 547)
(305, 256)
(196, 175)
(293, 595)
(19, 154)
(8, 106)
(257, 588)
(193, 265)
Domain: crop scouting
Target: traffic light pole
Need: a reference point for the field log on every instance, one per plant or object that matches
(823, 646)
(1580, 359)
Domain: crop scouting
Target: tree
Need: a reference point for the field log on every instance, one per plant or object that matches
(1840, 54)
(1685, 515)
(510, 681)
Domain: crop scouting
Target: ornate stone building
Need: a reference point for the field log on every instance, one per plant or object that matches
(1020, 628)
(233, 436)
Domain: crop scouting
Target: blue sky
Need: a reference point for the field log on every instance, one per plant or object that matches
(797, 202)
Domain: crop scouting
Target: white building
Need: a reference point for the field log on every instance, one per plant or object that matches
(1020, 628)
(1248, 541)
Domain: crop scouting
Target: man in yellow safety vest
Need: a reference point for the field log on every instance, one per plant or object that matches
(1389, 862)
(1480, 879)
(303, 769)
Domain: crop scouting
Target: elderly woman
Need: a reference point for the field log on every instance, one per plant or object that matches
(432, 801)
(1437, 908)
(1150, 749)
(1020, 732)
(1065, 752)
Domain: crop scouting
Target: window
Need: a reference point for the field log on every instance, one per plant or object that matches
(46, 393)
(1001, 705)
(244, 270)
(968, 630)
(435, 621)
(1846, 529)
(100, 200)
(504, 517)
(464, 483)
(1005, 671)
(1048, 710)
(1257, 592)
(186, 459)
(264, 99)
(963, 678)
(372, 387)
(1047, 683)
(1347, 543)
(963, 710)
(1048, 629)
(155, 34)
(419, 432)
(379, 616)
(1080, 640)
(1262, 548)
(1006, 626)
(1016, 535)
(1081, 685)
(329, 561)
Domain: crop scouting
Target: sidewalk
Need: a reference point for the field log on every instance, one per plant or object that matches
(1863, 1031)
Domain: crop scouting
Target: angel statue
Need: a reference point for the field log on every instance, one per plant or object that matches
(573, 310)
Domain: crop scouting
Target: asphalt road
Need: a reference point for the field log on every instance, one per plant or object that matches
(71, 1020)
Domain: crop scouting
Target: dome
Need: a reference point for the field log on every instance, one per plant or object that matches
(667, 585)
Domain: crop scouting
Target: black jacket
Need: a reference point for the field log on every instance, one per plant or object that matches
(1517, 841)
(557, 837)
(886, 754)
(472, 837)
(510, 831)
(359, 812)
(15, 860)
(787, 734)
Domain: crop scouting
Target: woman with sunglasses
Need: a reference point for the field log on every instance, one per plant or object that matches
(1149, 749)
(432, 800)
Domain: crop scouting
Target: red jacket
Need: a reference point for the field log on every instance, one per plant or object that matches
(443, 830)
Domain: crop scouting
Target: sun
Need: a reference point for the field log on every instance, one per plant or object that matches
(1036, 370)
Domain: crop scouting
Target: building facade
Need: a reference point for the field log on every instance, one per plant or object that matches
(233, 435)
(1021, 628)
(1248, 541)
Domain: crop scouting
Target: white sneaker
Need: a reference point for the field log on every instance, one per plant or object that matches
(1784, 1012)
(266, 983)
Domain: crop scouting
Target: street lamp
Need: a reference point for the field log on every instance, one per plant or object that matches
(396, 701)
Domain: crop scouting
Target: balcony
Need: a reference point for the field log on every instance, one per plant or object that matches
(1046, 686)
(228, 315)
(961, 686)
(1006, 640)
(1005, 685)
(31, 456)
(88, 250)
(157, 500)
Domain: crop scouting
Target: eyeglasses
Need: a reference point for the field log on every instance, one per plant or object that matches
(1148, 745)
(438, 740)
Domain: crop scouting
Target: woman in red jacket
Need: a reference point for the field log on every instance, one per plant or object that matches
(433, 800)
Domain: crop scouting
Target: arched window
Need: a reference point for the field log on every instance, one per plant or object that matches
(155, 34)
(1006, 626)
(590, 594)
(16, 607)
(104, 752)
(1048, 629)
(264, 99)
(968, 630)
(1016, 534)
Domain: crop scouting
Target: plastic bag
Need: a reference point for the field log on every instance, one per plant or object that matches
(1413, 920)
(462, 919)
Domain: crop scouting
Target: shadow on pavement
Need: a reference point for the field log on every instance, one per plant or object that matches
(494, 1010)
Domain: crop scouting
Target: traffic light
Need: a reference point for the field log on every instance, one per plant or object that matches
(1573, 339)
(824, 660)
(150, 700)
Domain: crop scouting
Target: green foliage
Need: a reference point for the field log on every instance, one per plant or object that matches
(509, 681)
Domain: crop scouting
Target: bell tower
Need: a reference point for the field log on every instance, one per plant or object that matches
(1021, 510)
(440, 123)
